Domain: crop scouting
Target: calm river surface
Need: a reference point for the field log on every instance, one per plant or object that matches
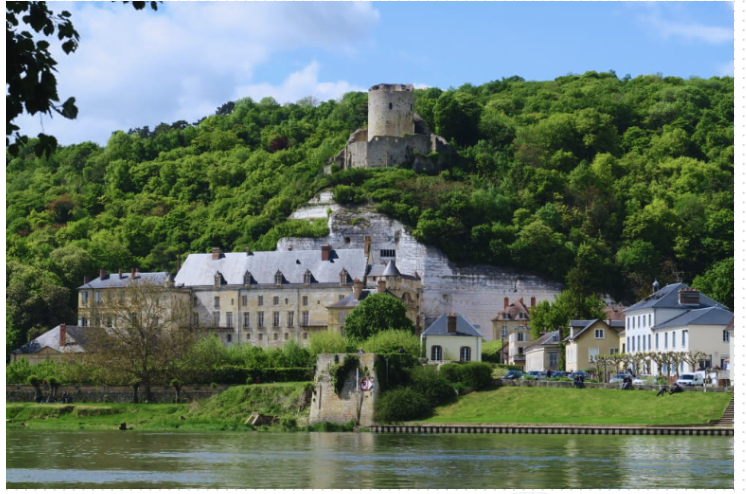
(340, 460)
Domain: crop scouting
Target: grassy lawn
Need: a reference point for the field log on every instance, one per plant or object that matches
(225, 411)
(517, 405)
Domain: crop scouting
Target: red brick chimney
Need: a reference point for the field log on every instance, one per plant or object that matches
(102, 274)
(688, 296)
(506, 303)
(248, 251)
(63, 334)
(358, 288)
(86, 280)
(216, 253)
(381, 285)
(325, 251)
(533, 301)
(451, 323)
(132, 273)
(121, 273)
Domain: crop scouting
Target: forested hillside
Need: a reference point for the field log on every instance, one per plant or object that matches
(599, 182)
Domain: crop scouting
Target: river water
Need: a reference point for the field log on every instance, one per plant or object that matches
(125, 459)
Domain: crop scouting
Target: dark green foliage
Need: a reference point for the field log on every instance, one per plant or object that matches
(236, 374)
(394, 369)
(474, 375)
(339, 371)
(434, 387)
(401, 404)
(376, 313)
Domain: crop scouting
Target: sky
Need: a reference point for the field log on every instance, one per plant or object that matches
(137, 68)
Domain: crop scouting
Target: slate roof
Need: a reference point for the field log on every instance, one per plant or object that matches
(714, 316)
(584, 324)
(513, 310)
(544, 340)
(729, 327)
(200, 269)
(112, 280)
(351, 301)
(76, 339)
(668, 298)
(463, 327)
(391, 269)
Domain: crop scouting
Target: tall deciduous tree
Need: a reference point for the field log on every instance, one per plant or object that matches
(376, 313)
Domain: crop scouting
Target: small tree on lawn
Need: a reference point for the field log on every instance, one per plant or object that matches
(693, 358)
(377, 313)
(600, 362)
(659, 359)
(614, 360)
(54, 384)
(35, 381)
(177, 387)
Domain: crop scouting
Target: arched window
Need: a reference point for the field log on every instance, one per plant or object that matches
(465, 354)
(436, 353)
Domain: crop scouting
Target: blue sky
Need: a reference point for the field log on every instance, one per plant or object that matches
(143, 68)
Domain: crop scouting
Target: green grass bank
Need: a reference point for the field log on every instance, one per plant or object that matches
(226, 411)
(517, 405)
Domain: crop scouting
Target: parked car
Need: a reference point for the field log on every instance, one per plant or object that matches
(513, 374)
(643, 379)
(559, 374)
(537, 374)
(694, 379)
(619, 378)
(578, 373)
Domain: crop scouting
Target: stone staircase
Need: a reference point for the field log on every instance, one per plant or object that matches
(727, 419)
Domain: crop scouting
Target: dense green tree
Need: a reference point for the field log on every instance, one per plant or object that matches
(718, 282)
(377, 312)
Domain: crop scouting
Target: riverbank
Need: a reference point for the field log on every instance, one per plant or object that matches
(282, 406)
(520, 405)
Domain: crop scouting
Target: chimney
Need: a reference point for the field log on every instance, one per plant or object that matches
(366, 245)
(381, 285)
(121, 275)
(86, 279)
(572, 331)
(132, 273)
(63, 334)
(451, 323)
(102, 274)
(248, 251)
(358, 288)
(215, 253)
(506, 302)
(533, 301)
(688, 296)
(325, 250)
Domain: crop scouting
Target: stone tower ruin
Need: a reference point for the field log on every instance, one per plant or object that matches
(390, 110)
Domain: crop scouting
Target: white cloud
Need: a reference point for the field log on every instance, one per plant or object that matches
(296, 86)
(665, 27)
(136, 68)
(727, 68)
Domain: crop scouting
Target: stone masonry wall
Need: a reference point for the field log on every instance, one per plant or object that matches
(390, 111)
(351, 403)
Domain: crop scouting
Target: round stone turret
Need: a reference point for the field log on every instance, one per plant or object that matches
(390, 110)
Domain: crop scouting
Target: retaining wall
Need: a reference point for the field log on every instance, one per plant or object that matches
(552, 429)
(113, 394)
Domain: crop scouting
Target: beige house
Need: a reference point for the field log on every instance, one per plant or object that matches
(56, 344)
(511, 326)
(731, 368)
(269, 298)
(589, 338)
(452, 338)
(543, 354)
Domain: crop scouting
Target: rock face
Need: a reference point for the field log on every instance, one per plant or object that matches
(477, 292)
(352, 403)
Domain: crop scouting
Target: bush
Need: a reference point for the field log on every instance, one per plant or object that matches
(236, 374)
(434, 387)
(476, 375)
(326, 342)
(491, 351)
(34, 380)
(394, 369)
(401, 404)
(289, 424)
(391, 341)
(451, 372)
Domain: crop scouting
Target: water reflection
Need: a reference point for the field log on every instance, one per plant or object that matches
(325, 460)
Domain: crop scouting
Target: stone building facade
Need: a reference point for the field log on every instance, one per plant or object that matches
(352, 402)
(395, 134)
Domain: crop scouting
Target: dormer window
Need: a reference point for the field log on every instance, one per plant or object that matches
(307, 277)
(218, 279)
(343, 277)
(247, 278)
(278, 278)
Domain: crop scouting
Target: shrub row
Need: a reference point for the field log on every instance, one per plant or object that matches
(475, 375)
(236, 374)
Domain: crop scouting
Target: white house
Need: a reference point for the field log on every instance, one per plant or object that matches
(452, 337)
(678, 318)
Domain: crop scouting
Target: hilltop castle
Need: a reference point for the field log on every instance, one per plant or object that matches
(395, 135)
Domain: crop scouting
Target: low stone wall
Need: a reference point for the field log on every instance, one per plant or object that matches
(605, 430)
(113, 394)
(565, 384)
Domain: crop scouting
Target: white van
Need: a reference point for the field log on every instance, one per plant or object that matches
(692, 379)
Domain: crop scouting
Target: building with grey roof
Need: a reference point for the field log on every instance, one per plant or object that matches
(678, 318)
(543, 354)
(55, 344)
(451, 337)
